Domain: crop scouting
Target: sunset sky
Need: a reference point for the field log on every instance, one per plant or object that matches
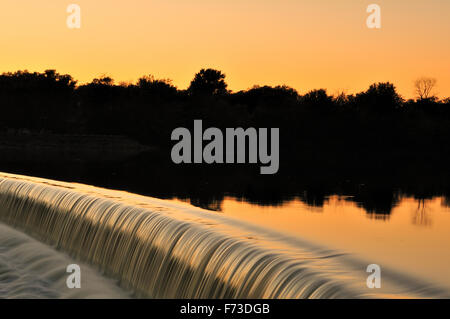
(305, 44)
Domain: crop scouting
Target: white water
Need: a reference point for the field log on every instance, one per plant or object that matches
(160, 249)
(30, 269)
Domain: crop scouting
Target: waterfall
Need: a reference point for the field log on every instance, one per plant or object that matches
(160, 250)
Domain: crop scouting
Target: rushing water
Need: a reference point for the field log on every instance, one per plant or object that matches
(30, 269)
(162, 249)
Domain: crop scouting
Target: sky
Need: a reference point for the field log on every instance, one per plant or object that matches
(305, 44)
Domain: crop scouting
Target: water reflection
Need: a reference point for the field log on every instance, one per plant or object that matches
(446, 201)
(421, 216)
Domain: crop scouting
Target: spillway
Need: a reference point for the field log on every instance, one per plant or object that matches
(160, 249)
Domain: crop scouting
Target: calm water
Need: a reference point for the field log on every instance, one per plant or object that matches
(414, 238)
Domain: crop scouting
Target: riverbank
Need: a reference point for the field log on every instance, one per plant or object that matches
(33, 147)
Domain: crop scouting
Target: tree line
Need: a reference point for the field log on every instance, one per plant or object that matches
(148, 109)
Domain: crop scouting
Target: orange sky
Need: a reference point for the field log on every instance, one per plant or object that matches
(305, 44)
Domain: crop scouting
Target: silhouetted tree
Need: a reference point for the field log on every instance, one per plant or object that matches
(158, 87)
(262, 97)
(341, 98)
(36, 101)
(380, 97)
(208, 82)
(104, 80)
(318, 98)
(424, 87)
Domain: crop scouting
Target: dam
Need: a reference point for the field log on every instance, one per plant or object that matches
(129, 245)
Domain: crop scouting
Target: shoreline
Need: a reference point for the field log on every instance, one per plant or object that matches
(32, 147)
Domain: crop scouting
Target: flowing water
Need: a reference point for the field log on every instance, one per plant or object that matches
(30, 269)
(165, 249)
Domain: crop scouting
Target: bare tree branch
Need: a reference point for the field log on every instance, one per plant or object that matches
(424, 87)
